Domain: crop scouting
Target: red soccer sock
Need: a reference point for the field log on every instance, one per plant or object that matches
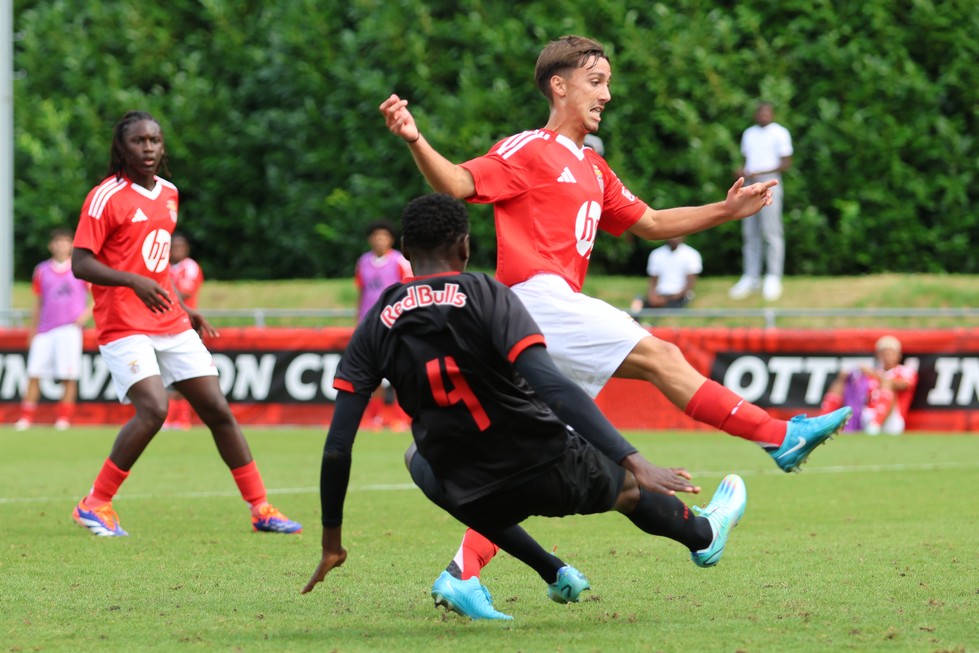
(831, 402)
(474, 553)
(65, 411)
(106, 484)
(27, 410)
(715, 405)
(180, 408)
(250, 485)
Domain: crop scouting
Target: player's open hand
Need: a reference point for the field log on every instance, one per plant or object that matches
(663, 480)
(200, 324)
(398, 119)
(156, 298)
(743, 201)
(329, 561)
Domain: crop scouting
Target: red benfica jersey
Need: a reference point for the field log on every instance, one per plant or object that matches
(128, 228)
(550, 199)
(187, 278)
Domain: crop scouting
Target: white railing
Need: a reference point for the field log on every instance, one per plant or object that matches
(769, 317)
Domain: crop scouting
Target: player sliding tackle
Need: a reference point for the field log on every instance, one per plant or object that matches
(470, 367)
(551, 195)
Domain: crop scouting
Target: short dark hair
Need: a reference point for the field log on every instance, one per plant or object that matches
(566, 53)
(381, 224)
(61, 232)
(432, 221)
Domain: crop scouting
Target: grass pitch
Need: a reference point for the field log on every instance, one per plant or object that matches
(872, 548)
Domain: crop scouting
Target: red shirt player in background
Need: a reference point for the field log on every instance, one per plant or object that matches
(551, 196)
(187, 278)
(147, 336)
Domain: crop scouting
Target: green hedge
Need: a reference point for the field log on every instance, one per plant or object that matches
(270, 113)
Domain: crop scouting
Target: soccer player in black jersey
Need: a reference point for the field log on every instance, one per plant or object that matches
(489, 411)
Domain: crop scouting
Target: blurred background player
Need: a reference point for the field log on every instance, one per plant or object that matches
(60, 311)
(187, 277)
(148, 338)
(881, 395)
(672, 270)
(376, 270)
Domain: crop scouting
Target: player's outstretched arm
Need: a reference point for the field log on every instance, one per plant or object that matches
(442, 175)
(334, 479)
(741, 201)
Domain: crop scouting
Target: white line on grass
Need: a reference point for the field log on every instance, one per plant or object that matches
(832, 469)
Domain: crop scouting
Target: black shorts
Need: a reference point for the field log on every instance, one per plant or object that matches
(582, 482)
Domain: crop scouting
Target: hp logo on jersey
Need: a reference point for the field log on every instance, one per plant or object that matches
(156, 250)
(586, 227)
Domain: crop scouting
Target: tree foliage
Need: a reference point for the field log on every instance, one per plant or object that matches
(270, 114)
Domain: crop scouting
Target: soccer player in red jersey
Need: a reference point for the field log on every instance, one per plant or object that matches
(551, 196)
(147, 336)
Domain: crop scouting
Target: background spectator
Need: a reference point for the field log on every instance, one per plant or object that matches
(672, 270)
(880, 395)
(767, 150)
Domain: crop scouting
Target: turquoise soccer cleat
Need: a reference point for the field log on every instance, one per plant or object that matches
(569, 585)
(723, 512)
(805, 434)
(466, 597)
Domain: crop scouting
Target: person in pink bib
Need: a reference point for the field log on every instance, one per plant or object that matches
(61, 310)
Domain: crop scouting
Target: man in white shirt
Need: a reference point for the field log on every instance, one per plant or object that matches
(767, 150)
(672, 270)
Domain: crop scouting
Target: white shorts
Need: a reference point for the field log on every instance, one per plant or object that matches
(587, 338)
(56, 354)
(173, 357)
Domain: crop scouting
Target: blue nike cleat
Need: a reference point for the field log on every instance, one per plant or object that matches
(723, 512)
(805, 434)
(466, 597)
(569, 585)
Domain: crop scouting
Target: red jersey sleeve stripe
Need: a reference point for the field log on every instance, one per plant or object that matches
(102, 198)
(343, 384)
(517, 349)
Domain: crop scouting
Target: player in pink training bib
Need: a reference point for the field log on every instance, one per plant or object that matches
(60, 312)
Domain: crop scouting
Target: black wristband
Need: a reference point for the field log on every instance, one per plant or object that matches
(416, 139)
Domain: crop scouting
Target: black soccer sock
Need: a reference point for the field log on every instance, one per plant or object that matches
(667, 516)
(513, 539)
